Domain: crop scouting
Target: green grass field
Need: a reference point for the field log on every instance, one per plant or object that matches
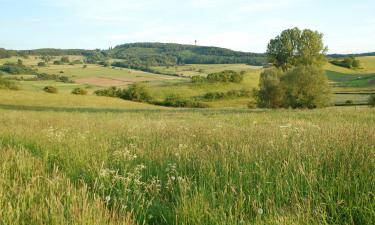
(95, 160)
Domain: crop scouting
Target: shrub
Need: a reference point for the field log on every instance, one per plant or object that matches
(306, 87)
(50, 89)
(224, 76)
(136, 92)
(13, 68)
(65, 59)
(79, 91)
(270, 93)
(349, 102)
(174, 100)
(109, 92)
(84, 66)
(300, 87)
(7, 84)
(197, 79)
(59, 78)
(229, 94)
(348, 62)
(371, 100)
(57, 62)
(42, 64)
(252, 104)
(77, 61)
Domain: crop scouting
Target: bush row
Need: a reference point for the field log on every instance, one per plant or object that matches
(226, 76)
(138, 92)
(230, 94)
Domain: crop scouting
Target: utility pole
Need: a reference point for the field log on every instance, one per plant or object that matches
(196, 42)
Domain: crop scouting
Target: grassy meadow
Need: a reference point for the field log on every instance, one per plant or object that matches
(95, 160)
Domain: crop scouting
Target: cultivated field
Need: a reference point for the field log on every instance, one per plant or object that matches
(94, 160)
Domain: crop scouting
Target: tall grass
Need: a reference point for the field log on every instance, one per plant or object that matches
(196, 167)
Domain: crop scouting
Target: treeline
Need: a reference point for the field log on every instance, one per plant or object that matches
(176, 54)
(7, 53)
(351, 55)
(21, 69)
(139, 93)
(226, 76)
(348, 62)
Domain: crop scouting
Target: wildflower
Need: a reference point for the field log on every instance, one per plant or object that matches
(260, 211)
(108, 198)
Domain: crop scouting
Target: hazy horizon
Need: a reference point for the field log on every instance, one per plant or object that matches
(348, 27)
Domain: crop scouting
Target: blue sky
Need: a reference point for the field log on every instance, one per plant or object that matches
(246, 25)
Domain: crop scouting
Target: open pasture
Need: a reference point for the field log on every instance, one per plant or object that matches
(107, 161)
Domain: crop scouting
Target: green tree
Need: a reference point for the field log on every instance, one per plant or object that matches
(298, 80)
(79, 91)
(294, 47)
(136, 92)
(306, 87)
(270, 93)
(42, 64)
(65, 59)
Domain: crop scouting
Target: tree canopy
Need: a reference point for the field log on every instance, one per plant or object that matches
(297, 79)
(295, 47)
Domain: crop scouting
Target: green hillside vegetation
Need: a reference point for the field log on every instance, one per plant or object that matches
(160, 54)
(349, 62)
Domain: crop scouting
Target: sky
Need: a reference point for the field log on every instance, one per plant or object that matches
(244, 25)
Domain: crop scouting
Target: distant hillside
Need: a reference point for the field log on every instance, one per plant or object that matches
(354, 55)
(171, 54)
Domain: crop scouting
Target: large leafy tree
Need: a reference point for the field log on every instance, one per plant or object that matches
(305, 87)
(270, 93)
(297, 79)
(295, 47)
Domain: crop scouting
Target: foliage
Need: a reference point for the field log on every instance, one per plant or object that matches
(371, 100)
(136, 92)
(65, 59)
(109, 92)
(6, 53)
(46, 58)
(50, 89)
(42, 64)
(229, 94)
(159, 54)
(306, 87)
(59, 78)
(349, 62)
(298, 80)
(13, 68)
(294, 47)
(174, 100)
(7, 84)
(198, 79)
(79, 91)
(224, 76)
(270, 93)
(301, 87)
